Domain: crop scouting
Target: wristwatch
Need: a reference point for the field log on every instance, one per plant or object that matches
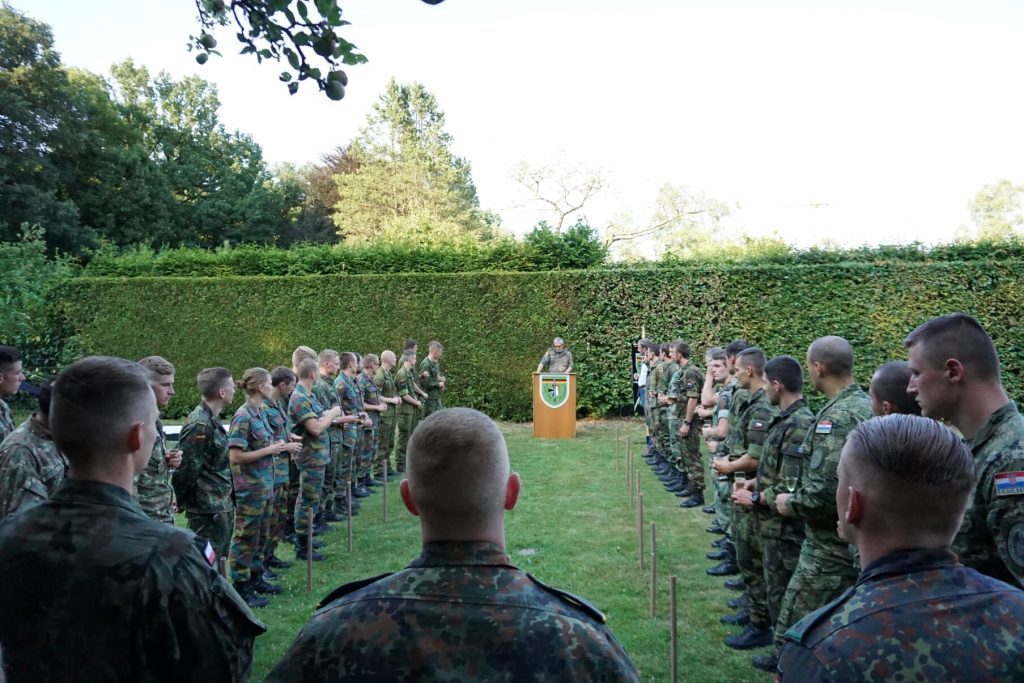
(755, 497)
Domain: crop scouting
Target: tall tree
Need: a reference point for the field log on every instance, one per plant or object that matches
(561, 187)
(996, 210)
(408, 186)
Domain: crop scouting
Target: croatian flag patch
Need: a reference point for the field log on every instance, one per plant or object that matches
(211, 556)
(1009, 483)
(824, 427)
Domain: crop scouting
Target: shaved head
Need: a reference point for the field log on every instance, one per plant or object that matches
(835, 355)
(458, 471)
(388, 357)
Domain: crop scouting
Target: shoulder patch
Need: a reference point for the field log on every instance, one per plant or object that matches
(1009, 483)
(343, 590)
(572, 599)
(823, 427)
(205, 549)
(758, 425)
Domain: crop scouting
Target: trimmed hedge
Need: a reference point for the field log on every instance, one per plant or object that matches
(495, 326)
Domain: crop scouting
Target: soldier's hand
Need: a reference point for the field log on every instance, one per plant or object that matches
(742, 497)
(295, 437)
(383, 407)
(174, 458)
(780, 504)
(291, 447)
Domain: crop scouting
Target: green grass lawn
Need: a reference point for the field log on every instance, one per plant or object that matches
(573, 528)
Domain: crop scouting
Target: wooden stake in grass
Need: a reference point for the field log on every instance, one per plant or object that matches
(640, 526)
(348, 501)
(673, 638)
(384, 468)
(636, 478)
(309, 550)
(224, 567)
(617, 448)
(654, 570)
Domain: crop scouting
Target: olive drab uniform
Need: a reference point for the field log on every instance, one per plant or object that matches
(651, 411)
(312, 459)
(556, 361)
(31, 467)
(385, 379)
(254, 491)
(738, 397)
(6, 420)
(752, 427)
(720, 485)
(370, 393)
(991, 537)
(666, 420)
(351, 432)
(336, 472)
(431, 384)
(406, 386)
(277, 417)
(781, 536)
(153, 485)
(686, 385)
(203, 483)
(824, 569)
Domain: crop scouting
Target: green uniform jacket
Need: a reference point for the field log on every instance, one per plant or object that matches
(203, 482)
(385, 379)
(406, 384)
(786, 434)
(815, 499)
(153, 485)
(432, 382)
(31, 467)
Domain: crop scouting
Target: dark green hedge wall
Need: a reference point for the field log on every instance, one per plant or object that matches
(496, 326)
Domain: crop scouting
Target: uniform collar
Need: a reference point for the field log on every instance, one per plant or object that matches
(38, 430)
(851, 388)
(793, 407)
(994, 422)
(96, 492)
(907, 562)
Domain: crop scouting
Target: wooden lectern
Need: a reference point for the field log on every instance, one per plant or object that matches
(554, 405)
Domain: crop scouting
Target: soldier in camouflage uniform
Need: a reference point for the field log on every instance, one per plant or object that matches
(716, 434)
(385, 379)
(463, 611)
(375, 408)
(97, 591)
(346, 387)
(408, 408)
(252, 446)
(300, 354)
(971, 397)
(310, 420)
(31, 465)
(666, 422)
(11, 378)
(432, 379)
(916, 613)
(781, 537)
(888, 390)
(153, 485)
(750, 427)
(203, 482)
(825, 568)
(651, 412)
(276, 408)
(337, 473)
(686, 388)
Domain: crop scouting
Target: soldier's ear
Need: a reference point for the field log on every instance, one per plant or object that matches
(134, 437)
(854, 506)
(512, 490)
(410, 504)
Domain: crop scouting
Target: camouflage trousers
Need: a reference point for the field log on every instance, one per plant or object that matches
(780, 559)
(723, 501)
(215, 527)
(347, 469)
(432, 405)
(406, 423)
(386, 436)
(746, 537)
(664, 432)
(815, 583)
(653, 417)
(691, 458)
(254, 492)
(368, 450)
(327, 490)
(307, 505)
(277, 505)
(291, 495)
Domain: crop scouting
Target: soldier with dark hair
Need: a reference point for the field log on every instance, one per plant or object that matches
(203, 482)
(915, 613)
(282, 382)
(461, 611)
(405, 382)
(888, 390)
(95, 589)
(11, 378)
(31, 465)
(955, 377)
(385, 379)
(431, 378)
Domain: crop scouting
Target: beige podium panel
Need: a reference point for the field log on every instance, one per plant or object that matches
(554, 405)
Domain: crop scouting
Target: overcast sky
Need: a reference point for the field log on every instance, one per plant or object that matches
(858, 122)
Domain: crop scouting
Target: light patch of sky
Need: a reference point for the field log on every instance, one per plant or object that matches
(869, 122)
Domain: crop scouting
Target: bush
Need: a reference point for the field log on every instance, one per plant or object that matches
(495, 326)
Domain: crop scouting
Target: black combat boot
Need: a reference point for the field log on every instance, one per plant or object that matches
(248, 595)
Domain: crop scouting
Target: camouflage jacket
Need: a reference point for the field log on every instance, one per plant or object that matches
(405, 383)
(351, 399)
(460, 612)
(665, 383)
(31, 467)
(140, 598)
(276, 413)
(369, 393)
(153, 485)
(251, 431)
(325, 392)
(914, 615)
(814, 501)
(203, 482)
(385, 379)
(785, 435)
(303, 405)
(738, 398)
(431, 383)
(6, 420)
(686, 383)
(653, 379)
(556, 361)
(991, 537)
(751, 427)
